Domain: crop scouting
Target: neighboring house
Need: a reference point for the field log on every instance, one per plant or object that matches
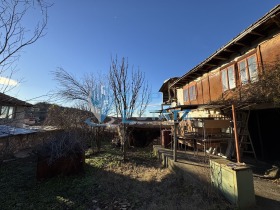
(39, 112)
(12, 111)
(224, 75)
(169, 94)
(31, 117)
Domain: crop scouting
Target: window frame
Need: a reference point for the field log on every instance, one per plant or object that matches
(249, 77)
(256, 69)
(11, 113)
(224, 76)
(8, 114)
(192, 92)
(225, 71)
(186, 93)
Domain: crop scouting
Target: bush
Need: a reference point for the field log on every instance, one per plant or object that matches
(62, 155)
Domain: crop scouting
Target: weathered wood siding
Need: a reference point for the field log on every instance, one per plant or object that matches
(215, 85)
(200, 99)
(270, 50)
(205, 90)
(209, 87)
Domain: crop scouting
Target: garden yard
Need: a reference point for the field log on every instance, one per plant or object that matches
(107, 183)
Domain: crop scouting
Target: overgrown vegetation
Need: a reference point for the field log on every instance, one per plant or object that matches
(265, 90)
(73, 120)
(66, 144)
(107, 183)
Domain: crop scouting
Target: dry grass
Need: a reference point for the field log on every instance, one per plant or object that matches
(108, 183)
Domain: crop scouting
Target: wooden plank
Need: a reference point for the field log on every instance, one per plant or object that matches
(216, 123)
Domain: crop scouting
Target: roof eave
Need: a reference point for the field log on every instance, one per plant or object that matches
(271, 14)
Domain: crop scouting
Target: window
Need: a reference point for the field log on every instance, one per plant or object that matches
(248, 69)
(228, 78)
(6, 112)
(192, 91)
(243, 72)
(11, 112)
(224, 80)
(253, 68)
(186, 95)
(231, 77)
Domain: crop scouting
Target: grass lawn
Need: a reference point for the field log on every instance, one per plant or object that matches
(107, 183)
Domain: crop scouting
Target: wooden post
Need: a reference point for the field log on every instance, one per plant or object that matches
(175, 141)
(235, 134)
(260, 135)
(160, 129)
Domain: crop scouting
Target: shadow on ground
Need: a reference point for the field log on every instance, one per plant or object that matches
(130, 186)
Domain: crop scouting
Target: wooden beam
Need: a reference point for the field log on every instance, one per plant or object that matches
(276, 20)
(176, 123)
(235, 134)
(241, 44)
(256, 33)
(230, 51)
(194, 73)
(194, 76)
(260, 135)
(221, 58)
(209, 64)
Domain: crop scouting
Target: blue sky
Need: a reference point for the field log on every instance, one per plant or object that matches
(164, 38)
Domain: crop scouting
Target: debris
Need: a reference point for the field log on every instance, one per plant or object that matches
(272, 173)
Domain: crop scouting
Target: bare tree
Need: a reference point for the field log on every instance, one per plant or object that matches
(72, 89)
(131, 95)
(15, 35)
(82, 90)
(89, 93)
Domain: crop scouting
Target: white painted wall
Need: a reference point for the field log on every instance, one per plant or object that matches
(180, 98)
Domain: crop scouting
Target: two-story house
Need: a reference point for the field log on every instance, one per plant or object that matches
(242, 72)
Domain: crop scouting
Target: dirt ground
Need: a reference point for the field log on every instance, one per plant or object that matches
(267, 193)
(267, 190)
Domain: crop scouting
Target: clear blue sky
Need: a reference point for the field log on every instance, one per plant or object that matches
(164, 38)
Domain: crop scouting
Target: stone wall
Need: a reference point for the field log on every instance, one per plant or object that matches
(12, 144)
